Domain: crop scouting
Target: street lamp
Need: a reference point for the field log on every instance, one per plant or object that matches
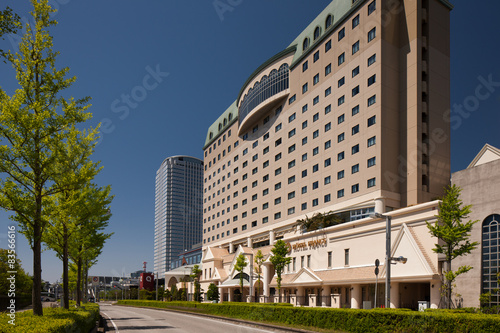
(387, 256)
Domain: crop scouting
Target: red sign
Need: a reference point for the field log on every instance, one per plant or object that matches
(147, 281)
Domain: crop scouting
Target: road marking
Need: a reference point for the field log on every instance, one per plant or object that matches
(112, 322)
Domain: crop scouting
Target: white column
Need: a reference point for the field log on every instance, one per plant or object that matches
(266, 279)
(231, 247)
(435, 294)
(221, 294)
(356, 296)
(271, 237)
(301, 293)
(394, 294)
(380, 205)
(249, 242)
(229, 294)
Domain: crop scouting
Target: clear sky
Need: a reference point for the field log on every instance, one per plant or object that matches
(201, 58)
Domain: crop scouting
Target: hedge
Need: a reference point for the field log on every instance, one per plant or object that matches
(349, 320)
(75, 320)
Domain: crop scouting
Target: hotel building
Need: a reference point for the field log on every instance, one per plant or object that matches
(349, 119)
(178, 209)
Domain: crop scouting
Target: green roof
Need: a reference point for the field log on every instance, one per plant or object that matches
(224, 121)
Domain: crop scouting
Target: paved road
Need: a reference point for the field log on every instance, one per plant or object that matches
(127, 319)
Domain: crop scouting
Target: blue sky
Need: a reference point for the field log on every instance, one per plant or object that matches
(200, 58)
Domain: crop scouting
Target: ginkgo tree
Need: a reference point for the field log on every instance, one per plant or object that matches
(35, 123)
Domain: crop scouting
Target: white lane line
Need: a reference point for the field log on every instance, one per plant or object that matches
(112, 322)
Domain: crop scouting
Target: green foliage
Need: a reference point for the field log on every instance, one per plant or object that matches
(259, 261)
(320, 221)
(75, 320)
(195, 275)
(346, 320)
(147, 295)
(24, 282)
(39, 132)
(239, 266)
(213, 292)
(279, 260)
(9, 24)
(453, 234)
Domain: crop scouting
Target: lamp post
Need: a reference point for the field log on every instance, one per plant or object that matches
(387, 256)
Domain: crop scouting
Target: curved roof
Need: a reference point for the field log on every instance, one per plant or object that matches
(214, 128)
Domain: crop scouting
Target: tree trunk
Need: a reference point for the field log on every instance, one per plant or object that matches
(448, 288)
(78, 279)
(65, 268)
(84, 282)
(37, 271)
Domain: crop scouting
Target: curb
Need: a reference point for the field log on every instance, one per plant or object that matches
(232, 320)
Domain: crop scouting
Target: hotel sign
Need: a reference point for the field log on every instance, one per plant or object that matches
(305, 245)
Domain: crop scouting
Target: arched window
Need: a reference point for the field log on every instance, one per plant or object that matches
(329, 20)
(317, 32)
(230, 116)
(491, 256)
(220, 126)
(305, 44)
(225, 122)
(211, 135)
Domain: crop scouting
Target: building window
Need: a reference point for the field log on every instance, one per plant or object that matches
(355, 91)
(371, 121)
(255, 157)
(316, 79)
(303, 206)
(304, 108)
(316, 100)
(328, 144)
(372, 59)
(346, 257)
(303, 190)
(328, 23)
(372, 7)
(265, 219)
(304, 140)
(305, 44)
(316, 56)
(315, 202)
(277, 142)
(340, 137)
(305, 66)
(304, 173)
(341, 58)
(291, 118)
(328, 162)
(328, 127)
(328, 109)
(491, 254)
(291, 180)
(355, 130)
(266, 150)
(328, 69)
(355, 47)
(371, 162)
(341, 119)
(315, 151)
(341, 33)
(315, 168)
(254, 184)
(340, 174)
(277, 201)
(355, 149)
(355, 188)
(371, 182)
(315, 116)
(371, 34)
(371, 141)
(355, 168)
(330, 259)
(372, 100)
(291, 195)
(254, 210)
(277, 171)
(328, 198)
(291, 133)
(340, 193)
(291, 164)
(290, 101)
(371, 80)
(304, 88)
(355, 21)
(355, 71)
(328, 180)
(341, 82)
(265, 192)
(315, 134)
(304, 124)
(265, 206)
(341, 100)
(278, 127)
(355, 110)
(340, 156)
(291, 149)
(304, 157)
(277, 216)
(291, 211)
(328, 46)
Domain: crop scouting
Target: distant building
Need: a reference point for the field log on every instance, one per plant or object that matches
(178, 209)
(480, 184)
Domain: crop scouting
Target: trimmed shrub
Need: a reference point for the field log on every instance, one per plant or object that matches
(349, 320)
(53, 320)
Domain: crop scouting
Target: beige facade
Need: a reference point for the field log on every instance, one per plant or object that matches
(350, 118)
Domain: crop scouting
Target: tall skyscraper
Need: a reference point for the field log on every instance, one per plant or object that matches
(178, 209)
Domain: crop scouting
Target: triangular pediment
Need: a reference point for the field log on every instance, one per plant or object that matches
(487, 154)
(305, 275)
(239, 250)
(405, 245)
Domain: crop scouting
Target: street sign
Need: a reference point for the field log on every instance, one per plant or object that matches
(95, 280)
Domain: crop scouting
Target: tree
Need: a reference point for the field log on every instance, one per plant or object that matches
(175, 292)
(9, 262)
(195, 275)
(9, 24)
(279, 261)
(213, 292)
(453, 235)
(239, 266)
(34, 125)
(259, 261)
(319, 221)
